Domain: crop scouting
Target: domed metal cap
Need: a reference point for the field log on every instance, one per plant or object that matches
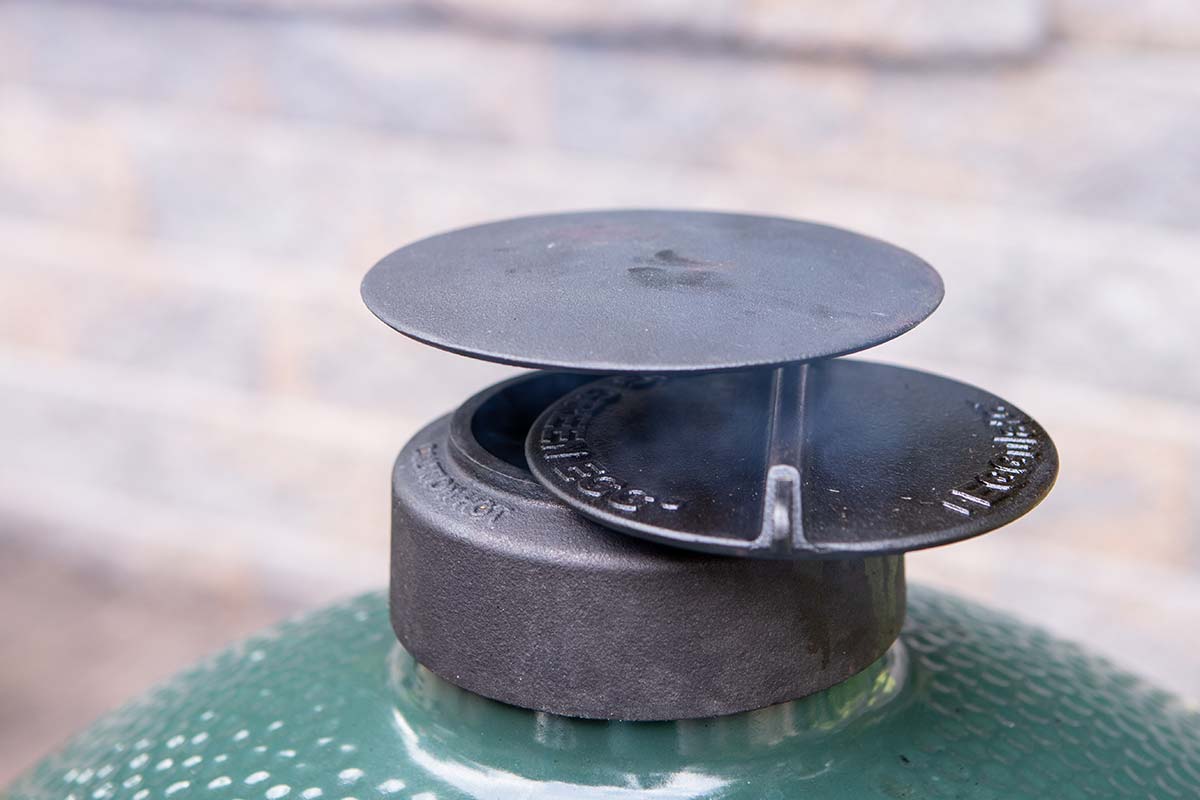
(651, 291)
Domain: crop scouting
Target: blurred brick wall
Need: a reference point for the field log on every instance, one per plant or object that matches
(199, 416)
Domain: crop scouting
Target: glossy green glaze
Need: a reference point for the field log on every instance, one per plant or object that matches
(969, 704)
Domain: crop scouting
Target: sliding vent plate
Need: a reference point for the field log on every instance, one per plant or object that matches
(825, 459)
(651, 291)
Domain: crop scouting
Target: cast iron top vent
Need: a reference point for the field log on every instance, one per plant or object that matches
(697, 403)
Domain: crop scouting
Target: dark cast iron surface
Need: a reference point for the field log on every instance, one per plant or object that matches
(832, 458)
(502, 589)
(651, 291)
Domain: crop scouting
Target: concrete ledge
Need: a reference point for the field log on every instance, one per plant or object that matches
(923, 32)
(912, 31)
(1146, 23)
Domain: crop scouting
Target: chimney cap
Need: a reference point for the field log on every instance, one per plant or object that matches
(651, 291)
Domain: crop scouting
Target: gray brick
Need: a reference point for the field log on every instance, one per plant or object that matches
(1085, 304)
(922, 31)
(277, 64)
(320, 345)
(1052, 137)
(89, 312)
(1148, 23)
(241, 486)
(347, 359)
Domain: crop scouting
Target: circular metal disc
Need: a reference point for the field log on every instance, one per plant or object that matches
(833, 458)
(651, 291)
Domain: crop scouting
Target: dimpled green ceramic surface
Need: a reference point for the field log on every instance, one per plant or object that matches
(969, 704)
